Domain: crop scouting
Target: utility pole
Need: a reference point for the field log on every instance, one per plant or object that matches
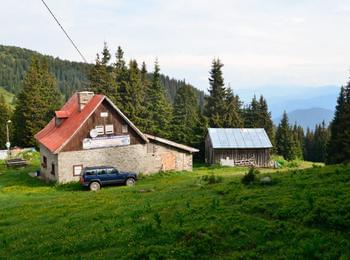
(8, 144)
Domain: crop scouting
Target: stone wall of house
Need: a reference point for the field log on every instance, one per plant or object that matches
(46, 172)
(140, 158)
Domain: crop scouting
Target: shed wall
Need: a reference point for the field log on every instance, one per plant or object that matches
(261, 156)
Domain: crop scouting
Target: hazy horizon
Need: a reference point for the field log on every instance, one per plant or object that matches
(270, 43)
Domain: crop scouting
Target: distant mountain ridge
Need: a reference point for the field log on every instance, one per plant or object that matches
(308, 118)
(290, 98)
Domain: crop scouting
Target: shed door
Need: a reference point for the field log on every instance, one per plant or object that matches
(168, 161)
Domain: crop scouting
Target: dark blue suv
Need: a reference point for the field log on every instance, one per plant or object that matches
(95, 177)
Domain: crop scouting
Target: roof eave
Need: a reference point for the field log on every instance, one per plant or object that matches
(173, 144)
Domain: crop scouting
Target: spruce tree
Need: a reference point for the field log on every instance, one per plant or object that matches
(158, 110)
(133, 99)
(101, 78)
(298, 141)
(233, 117)
(144, 80)
(321, 139)
(339, 144)
(285, 143)
(265, 119)
(309, 146)
(252, 115)
(5, 113)
(216, 102)
(188, 125)
(36, 103)
(122, 79)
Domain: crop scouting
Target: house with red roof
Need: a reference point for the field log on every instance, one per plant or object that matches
(89, 130)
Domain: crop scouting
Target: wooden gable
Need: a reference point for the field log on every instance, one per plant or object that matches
(104, 115)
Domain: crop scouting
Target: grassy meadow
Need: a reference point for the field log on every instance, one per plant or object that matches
(209, 213)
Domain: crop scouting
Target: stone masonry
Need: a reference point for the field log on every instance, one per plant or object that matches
(148, 158)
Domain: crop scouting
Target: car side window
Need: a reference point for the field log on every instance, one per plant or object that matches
(102, 172)
(90, 172)
(112, 171)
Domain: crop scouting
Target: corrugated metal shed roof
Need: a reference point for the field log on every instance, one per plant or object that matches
(239, 138)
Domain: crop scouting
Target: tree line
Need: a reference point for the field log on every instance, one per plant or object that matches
(142, 96)
(70, 76)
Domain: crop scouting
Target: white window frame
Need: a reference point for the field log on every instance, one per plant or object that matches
(80, 166)
(100, 129)
(124, 129)
(109, 129)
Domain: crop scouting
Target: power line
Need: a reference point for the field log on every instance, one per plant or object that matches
(69, 38)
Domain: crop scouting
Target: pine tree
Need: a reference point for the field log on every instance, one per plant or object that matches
(339, 145)
(188, 125)
(321, 139)
(144, 80)
(36, 103)
(309, 146)
(133, 100)
(233, 117)
(265, 119)
(101, 78)
(285, 144)
(216, 102)
(158, 110)
(122, 79)
(298, 141)
(252, 115)
(5, 113)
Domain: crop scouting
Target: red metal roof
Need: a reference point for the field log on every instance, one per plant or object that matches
(55, 137)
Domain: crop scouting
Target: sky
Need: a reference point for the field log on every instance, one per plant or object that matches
(261, 42)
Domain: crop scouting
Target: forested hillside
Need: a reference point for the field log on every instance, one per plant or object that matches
(71, 76)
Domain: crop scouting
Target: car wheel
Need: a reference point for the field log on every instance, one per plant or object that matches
(130, 182)
(94, 186)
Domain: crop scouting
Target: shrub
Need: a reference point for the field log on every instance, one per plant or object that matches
(212, 179)
(316, 166)
(293, 164)
(157, 219)
(250, 176)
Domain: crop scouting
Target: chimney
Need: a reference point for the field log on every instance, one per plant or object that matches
(83, 98)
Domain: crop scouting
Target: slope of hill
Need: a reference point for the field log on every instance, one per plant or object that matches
(9, 97)
(71, 76)
(303, 214)
(308, 118)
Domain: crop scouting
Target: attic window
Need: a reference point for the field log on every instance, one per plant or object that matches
(104, 114)
(109, 129)
(100, 129)
(124, 129)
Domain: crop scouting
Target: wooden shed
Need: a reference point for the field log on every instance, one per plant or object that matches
(237, 147)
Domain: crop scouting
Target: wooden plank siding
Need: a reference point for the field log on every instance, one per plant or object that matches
(75, 144)
(261, 156)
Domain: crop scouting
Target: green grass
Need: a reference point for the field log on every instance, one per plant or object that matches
(8, 96)
(301, 214)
